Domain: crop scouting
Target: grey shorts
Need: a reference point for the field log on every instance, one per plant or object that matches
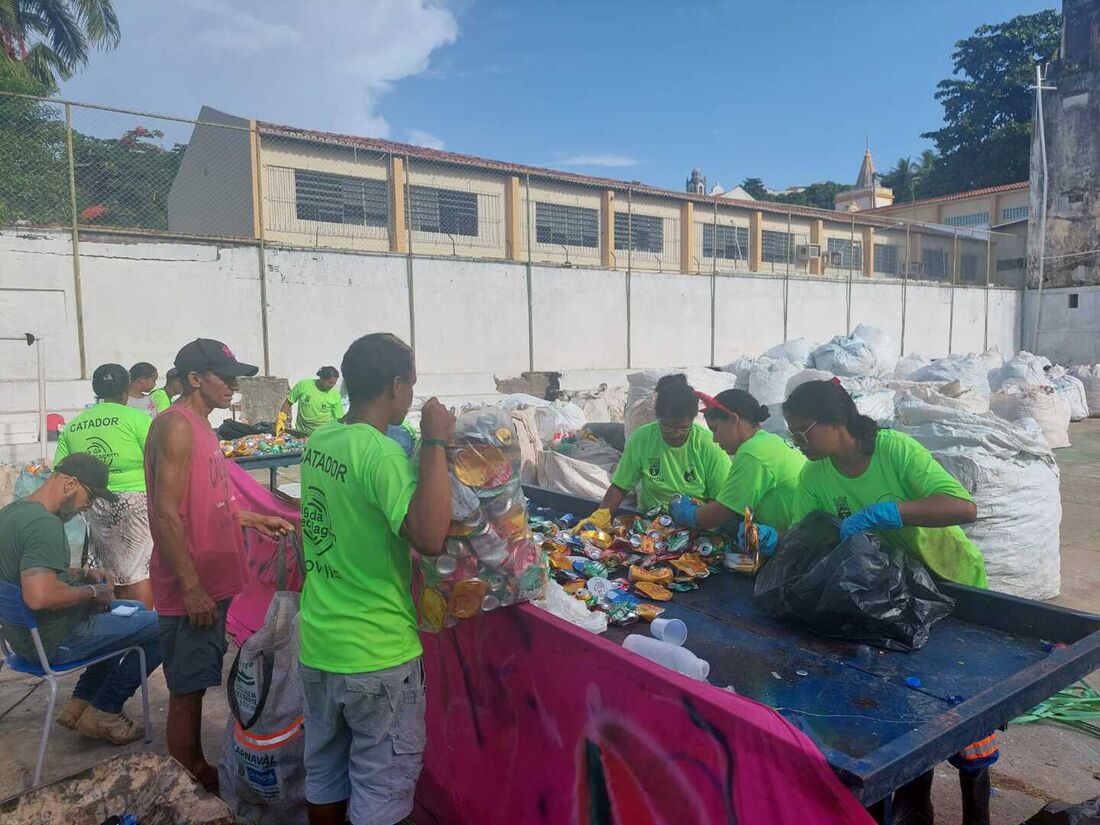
(193, 658)
(364, 739)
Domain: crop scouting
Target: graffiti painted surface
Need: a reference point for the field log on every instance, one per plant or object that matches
(531, 720)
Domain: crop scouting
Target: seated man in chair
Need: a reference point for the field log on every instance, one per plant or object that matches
(72, 606)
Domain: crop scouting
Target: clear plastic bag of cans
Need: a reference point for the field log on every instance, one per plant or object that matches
(490, 559)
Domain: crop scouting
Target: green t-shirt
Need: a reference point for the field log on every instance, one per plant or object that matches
(160, 399)
(900, 470)
(764, 477)
(698, 468)
(357, 609)
(31, 536)
(315, 408)
(115, 434)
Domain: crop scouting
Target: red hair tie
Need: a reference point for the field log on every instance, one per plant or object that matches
(711, 403)
(835, 380)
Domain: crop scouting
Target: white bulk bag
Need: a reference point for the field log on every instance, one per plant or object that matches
(768, 380)
(886, 348)
(797, 350)
(1089, 377)
(1040, 403)
(845, 355)
(642, 392)
(1072, 389)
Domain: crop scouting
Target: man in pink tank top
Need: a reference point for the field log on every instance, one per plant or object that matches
(198, 561)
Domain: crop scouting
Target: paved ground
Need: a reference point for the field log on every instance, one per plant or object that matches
(1039, 763)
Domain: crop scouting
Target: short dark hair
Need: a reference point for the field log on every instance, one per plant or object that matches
(142, 369)
(110, 381)
(328, 372)
(676, 398)
(827, 402)
(740, 402)
(173, 374)
(372, 362)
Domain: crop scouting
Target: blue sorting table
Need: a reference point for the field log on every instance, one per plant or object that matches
(270, 462)
(984, 665)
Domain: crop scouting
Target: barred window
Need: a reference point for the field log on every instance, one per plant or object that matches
(445, 211)
(886, 259)
(851, 252)
(1015, 213)
(556, 223)
(935, 264)
(775, 246)
(732, 242)
(968, 267)
(319, 196)
(1010, 264)
(973, 219)
(642, 233)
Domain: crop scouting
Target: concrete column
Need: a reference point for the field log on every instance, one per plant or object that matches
(687, 236)
(817, 236)
(398, 229)
(915, 254)
(939, 213)
(869, 251)
(607, 229)
(756, 240)
(995, 210)
(513, 235)
(257, 190)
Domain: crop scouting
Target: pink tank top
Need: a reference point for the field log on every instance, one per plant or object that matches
(211, 523)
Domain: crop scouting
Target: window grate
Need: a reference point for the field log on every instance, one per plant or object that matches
(851, 252)
(443, 211)
(732, 242)
(935, 264)
(563, 225)
(886, 258)
(319, 196)
(648, 232)
(775, 247)
(1015, 213)
(973, 219)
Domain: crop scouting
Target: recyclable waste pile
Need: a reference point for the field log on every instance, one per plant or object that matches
(627, 566)
(490, 558)
(262, 444)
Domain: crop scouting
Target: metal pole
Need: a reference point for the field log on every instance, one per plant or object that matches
(904, 287)
(629, 267)
(530, 285)
(261, 251)
(1042, 206)
(954, 286)
(714, 280)
(78, 290)
(988, 272)
(787, 277)
(409, 257)
(40, 352)
(851, 263)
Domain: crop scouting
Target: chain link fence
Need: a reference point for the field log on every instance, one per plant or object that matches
(219, 176)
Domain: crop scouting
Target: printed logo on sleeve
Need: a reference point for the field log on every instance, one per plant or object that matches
(843, 509)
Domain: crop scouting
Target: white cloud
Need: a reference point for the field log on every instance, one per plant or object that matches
(419, 137)
(596, 159)
(241, 31)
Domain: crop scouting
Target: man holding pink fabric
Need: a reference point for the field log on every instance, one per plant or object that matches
(199, 560)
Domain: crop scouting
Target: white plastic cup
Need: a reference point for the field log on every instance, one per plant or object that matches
(676, 658)
(673, 631)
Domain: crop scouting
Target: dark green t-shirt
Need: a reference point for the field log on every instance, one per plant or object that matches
(31, 536)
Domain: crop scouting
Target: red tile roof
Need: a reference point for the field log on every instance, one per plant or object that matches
(440, 156)
(957, 196)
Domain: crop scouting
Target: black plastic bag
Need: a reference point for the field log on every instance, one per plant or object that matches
(856, 589)
(1064, 813)
(231, 429)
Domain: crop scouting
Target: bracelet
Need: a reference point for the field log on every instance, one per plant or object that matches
(95, 592)
(433, 442)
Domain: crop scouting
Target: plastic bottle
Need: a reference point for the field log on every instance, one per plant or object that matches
(679, 659)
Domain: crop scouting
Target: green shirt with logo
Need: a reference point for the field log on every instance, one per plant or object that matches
(315, 407)
(901, 469)
(764, 477)
(357, 609)
(31, 536)
(697, 468)
(115, 434)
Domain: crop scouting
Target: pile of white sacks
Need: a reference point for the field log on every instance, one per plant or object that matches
(991, 422)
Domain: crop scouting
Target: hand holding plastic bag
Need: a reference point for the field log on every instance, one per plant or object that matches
(882, 516)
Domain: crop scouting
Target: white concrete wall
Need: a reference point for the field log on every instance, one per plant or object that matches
(1006, 330)
(669, 319)
(817, 309)
(580, 321)
(968, 330)
(927, 320)
(748, 313)
(1067, 336)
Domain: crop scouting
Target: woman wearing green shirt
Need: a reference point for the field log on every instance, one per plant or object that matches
(887, 482)
(671, 456)
(162, 397)
(764, 476)
(318, 402)
(115, 433)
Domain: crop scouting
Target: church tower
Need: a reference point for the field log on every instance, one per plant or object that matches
(867, 194)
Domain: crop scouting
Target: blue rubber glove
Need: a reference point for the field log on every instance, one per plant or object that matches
(683, 509)
(768, 537)
(881, 516)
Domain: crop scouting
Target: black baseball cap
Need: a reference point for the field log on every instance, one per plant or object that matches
(208, 355)
(89, 471)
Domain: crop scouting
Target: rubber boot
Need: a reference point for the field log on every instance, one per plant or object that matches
(975, 787)
(913, 802)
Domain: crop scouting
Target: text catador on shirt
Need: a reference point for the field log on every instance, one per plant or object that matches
(901, 469)
(698, 468)
(116, 435)
(357, 610)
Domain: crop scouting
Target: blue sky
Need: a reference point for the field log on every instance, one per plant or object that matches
(786, 90)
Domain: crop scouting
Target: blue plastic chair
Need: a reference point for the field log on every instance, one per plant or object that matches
(13, 611)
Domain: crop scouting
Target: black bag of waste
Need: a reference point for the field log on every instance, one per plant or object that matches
(1065, 813)
(857, 589)
(230, 429)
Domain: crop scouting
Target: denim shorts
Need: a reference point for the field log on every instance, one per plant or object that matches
(193, 657)
(364, 740)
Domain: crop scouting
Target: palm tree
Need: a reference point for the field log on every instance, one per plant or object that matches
(922, 170)
(902, 179)
(51, 38)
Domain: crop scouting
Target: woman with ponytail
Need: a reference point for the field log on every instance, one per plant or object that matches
(765, 472)
(887, 482)
(673, 456)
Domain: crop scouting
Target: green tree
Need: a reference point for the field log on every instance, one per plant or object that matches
(987, 107)
(34, 179)
(902, 179)
(51, 39)
(755, 187)
(821, 195)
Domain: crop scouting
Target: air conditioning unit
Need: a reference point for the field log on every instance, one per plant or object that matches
(807, 251)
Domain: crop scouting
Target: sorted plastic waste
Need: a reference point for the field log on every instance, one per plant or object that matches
(671, 656)
(262, 444)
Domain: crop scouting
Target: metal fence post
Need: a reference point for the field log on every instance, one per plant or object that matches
(261, 247)
(905, 286)
(851, 263)
(714, 278)
(530, 284)
(78, 286)
(988, 271)
(787, 277)
(954, 286)
(409, 256)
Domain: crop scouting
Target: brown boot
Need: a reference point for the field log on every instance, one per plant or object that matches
(71, 713)
(115, 728)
